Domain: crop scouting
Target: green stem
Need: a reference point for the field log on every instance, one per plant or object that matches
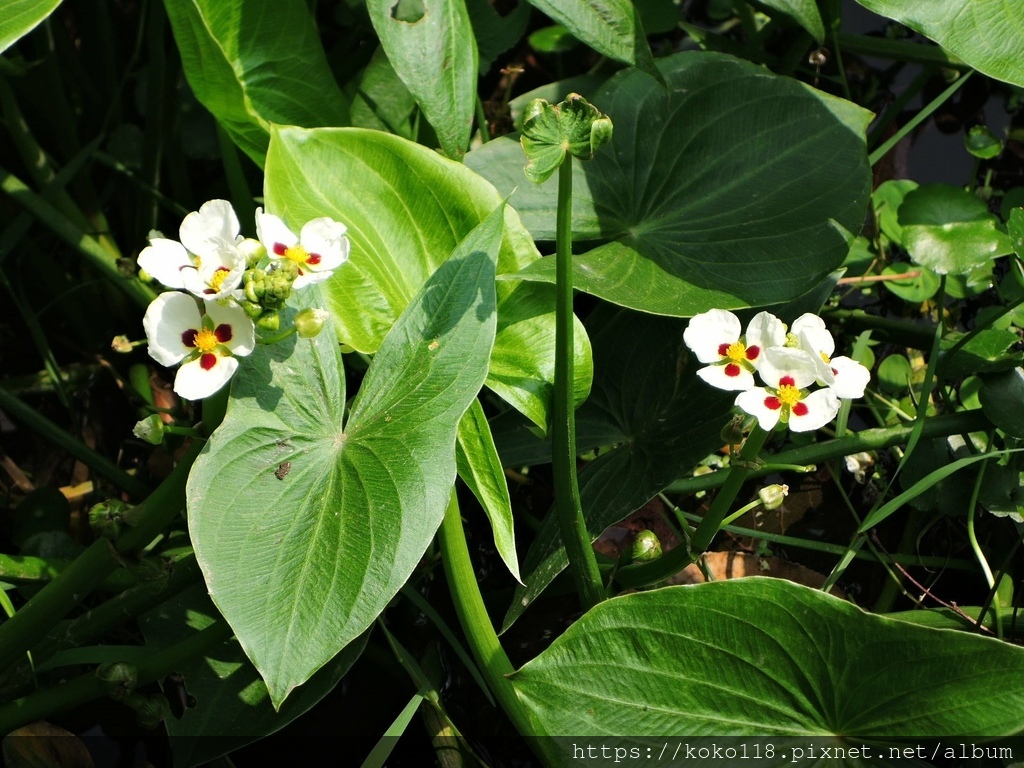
(898, 50)
(865, 440)
(86, 688)
(737, 474)
(919, 118)
(476, 624)
(30, 624)
(569, 511)
(102, 466)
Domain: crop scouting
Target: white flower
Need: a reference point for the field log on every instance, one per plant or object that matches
(207, 261)
(788, 372)
(843, 375)
(319, 249)
(208, 343)
(714, 336)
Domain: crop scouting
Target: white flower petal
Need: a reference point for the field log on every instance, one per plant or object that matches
(243, 334)
(718, 376)
(822, 407)
(310, 278)
(214, 221)
(818, 337)
(764, 330)
(706, 332)
(326, 238)
(780, 362)
(849, 378)
(194, 382)
(163, 260)
(168, 316)
(272, 231)
(753, 402)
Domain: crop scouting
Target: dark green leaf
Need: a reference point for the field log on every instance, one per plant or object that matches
(987, 351)
(730, 189)
(1002, 400)
(610, 27)
(495, 33)
(803, 12)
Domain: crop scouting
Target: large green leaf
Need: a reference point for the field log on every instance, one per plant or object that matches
(232, 704)
(430, 43)
(803, 12)
(406, 209)
(731, 188)
(666, 420)
(610, 27)
(253, 63)
(758, 656)
(306, 523)
(19, 17)
(987, 34)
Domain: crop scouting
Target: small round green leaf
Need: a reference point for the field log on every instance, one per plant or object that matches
(949, 230)
(917, 288)
(982, 143)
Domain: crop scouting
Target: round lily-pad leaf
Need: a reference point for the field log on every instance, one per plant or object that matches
(732, 187)
(886, 200)
(920, 285)
(949, 230)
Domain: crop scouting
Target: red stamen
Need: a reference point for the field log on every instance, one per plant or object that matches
(188, 338)
(314, 259)
(280, 248)
(835, 372)
(732, 370)
(753, 352)
(207, 361)
(787, 381)
(723, 349)
(772, 403)
(208, 290)
(223, 333)
(799, 409)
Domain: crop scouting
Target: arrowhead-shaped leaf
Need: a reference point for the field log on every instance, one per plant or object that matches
(305, 522)
(406, 208)
(19, 17)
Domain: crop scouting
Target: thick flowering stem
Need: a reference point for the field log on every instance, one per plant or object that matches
(573, 527)
(738, 473)
(476, 624)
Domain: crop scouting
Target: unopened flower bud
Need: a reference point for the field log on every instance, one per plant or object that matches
(252, 250)
(152, 711)
(646, 547)
(118, 678)
(121, 344)
(772, 496)
(309, 322)
(107, 518)
(732, 433)
(150, 429)
(269, 321)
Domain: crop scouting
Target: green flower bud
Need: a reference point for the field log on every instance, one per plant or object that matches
(772, 496)
(732, 433)
(252, 309)
(118, 678)
(269, 321)
(646, 547)
(253, 250)
(108, 517)
(309, 322)
(152, 711)
(150, 429)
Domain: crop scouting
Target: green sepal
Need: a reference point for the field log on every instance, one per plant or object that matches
(549, 131)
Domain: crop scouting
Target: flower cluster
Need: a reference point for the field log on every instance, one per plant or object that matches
(788, 361)
(224, 286)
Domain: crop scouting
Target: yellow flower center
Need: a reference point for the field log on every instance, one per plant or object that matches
(825, 358)
(206, 341)
(788, 395)
(737, 352)
(218, 278)
(296, 253)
